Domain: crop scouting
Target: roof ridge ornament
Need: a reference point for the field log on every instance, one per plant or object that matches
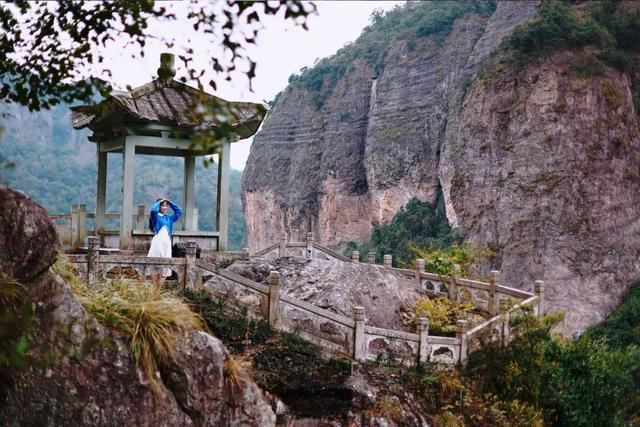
(166, 72)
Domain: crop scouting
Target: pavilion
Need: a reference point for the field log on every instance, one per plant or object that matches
(159, 118)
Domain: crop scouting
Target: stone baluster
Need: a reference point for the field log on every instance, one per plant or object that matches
(310, 239)
(73, 241)
(196, 219)
(93, 260)
(461, 333)
(387, 260)
(419, 270)
(456, 272)
(355, 256)
(538, 289)
(423, 331)
(82, 224)
(282, 245)
(274, 298)
(372, 257)
(140, 223)
(359, 342)
(494, 282)
(192, 274)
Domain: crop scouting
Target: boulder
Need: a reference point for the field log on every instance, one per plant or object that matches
(338, 286)
(28, 240)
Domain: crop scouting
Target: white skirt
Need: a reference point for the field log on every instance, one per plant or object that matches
(161, 248)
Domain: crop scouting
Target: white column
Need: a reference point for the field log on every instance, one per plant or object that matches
(101, 191)
(188, 193)
(222, 209)
(126, 217)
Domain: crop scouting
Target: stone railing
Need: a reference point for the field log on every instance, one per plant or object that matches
(76, 227)
(96, 265)
(334, 333)
(492, 298)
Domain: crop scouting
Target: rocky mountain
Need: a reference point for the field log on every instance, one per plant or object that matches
(537, 162)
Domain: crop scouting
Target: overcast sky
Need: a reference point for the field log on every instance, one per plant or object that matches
(282, 49)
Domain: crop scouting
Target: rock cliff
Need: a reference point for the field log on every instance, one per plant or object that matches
(539, 165)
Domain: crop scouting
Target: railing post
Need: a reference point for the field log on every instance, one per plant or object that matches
(196, 218)
(538, 289)
(359, 344)
(282, 245)
(73, 241)
(503, 310)
(461, 334)
(494, 282)
(423, 331)
(192, 274)
(419, 270)
(274, 298)
(310, 239)
(355, 256)
(82, 224)
(140, 225)
(456, 272)
(387, 260)
(93, 259)
(372, 257)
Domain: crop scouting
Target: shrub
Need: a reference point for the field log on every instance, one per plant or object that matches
(576, 382)
(148, 317)
(16, 320)
(442, 314)
(233, 328)
(417, 224)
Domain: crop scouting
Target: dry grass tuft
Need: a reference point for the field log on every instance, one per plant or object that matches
(146, 315)
(233, 375)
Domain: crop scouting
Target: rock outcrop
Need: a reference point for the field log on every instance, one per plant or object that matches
(28, 240)
(538, 165)
(85, 373)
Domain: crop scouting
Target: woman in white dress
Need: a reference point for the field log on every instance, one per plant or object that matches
(161, 223)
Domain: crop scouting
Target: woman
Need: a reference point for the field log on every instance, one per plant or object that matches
(161, 223)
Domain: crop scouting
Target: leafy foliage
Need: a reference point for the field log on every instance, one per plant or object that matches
(580, 382)
(622, 327)
(558, 27)
(235, 329)
(16, 319)
(441, 261)
(39, 72)
(443, 314)
(147, 316)
(408, 23)
(417, 224)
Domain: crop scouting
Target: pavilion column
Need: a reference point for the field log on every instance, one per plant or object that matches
(188, 193)
(101, 193)
(222, 209)
(126, 218)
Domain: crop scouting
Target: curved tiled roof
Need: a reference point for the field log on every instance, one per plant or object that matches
(170, 103)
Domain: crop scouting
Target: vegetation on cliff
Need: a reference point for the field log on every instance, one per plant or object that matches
(416, 225)
(408, 23)
(559, 26)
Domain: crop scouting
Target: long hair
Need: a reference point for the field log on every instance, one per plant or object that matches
(151, 224)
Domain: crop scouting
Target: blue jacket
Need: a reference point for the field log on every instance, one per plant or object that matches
(159, 221)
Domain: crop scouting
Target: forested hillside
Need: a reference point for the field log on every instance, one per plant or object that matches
(56, 166)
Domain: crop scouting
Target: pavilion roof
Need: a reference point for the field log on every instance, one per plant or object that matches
(166, 102)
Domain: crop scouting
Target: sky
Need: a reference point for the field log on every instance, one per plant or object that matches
(282, 49)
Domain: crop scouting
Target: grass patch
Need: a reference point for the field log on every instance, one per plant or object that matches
(16, 319)
(147, 316)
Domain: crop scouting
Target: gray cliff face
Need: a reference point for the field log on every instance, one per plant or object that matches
(374, 143)
(540, 165)
(544, 170)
